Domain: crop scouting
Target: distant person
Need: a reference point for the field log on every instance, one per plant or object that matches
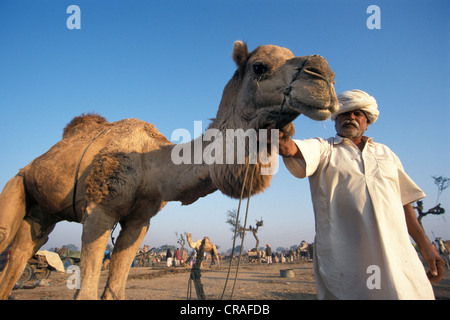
(177, 257)
(362, 204)
(268, 254)
(168, 258)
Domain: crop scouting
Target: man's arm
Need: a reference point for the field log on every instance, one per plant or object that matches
(435, 262)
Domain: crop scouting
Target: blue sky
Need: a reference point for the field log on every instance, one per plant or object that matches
(166, 62)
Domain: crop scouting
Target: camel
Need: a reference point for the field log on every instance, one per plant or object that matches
(443, 245)
(104, 173)
(444, 250)
(446, 244)
(303, 250)
(209, 247)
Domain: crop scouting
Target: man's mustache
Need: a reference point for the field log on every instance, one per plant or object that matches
(353, 122)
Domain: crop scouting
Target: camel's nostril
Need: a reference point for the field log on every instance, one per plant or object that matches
(313, 70)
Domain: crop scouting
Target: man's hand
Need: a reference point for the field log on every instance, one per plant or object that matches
(436, 264)
(287, 146)
(429, 253)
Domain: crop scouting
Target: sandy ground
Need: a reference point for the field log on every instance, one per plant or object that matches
(255, 282)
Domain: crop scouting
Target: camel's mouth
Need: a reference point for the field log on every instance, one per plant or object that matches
(291, 108)
(318, 113)
(279, 116)
(311, 90)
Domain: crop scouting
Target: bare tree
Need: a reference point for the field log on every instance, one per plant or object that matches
(255, 231)
(231, 220)
(181, 241)
(442, 183)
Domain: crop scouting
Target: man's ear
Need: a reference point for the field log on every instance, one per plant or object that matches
(240, 53)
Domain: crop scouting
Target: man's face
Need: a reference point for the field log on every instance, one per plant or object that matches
(351, 124)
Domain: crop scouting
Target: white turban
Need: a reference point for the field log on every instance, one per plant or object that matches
(357, 100)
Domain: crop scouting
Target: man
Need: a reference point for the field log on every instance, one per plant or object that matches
(268, 254)
(361, 198)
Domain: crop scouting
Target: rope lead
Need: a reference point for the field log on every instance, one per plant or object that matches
(236, 229)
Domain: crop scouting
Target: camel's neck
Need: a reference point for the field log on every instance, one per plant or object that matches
(179, 176)
(189, 240)
(199, 167)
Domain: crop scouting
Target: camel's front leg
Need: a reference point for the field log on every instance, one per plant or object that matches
(13, 208)
(26, 242)
(127, 244)
(96, 230)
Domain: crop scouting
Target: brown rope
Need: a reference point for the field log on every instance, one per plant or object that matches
(75, 182)
(236, 230)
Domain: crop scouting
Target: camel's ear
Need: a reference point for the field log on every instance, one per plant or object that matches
(240, 53)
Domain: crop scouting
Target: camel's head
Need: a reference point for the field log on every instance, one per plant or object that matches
(271, 88)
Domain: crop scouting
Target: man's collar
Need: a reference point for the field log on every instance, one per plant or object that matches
(338, 139)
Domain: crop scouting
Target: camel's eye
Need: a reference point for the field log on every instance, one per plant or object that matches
(259, 69)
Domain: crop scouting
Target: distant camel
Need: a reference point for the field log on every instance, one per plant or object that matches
(303, 250)
(208, 247)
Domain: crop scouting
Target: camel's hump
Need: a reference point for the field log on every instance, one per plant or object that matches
(85, 121)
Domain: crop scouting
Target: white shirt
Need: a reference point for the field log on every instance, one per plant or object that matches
(362, 246)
